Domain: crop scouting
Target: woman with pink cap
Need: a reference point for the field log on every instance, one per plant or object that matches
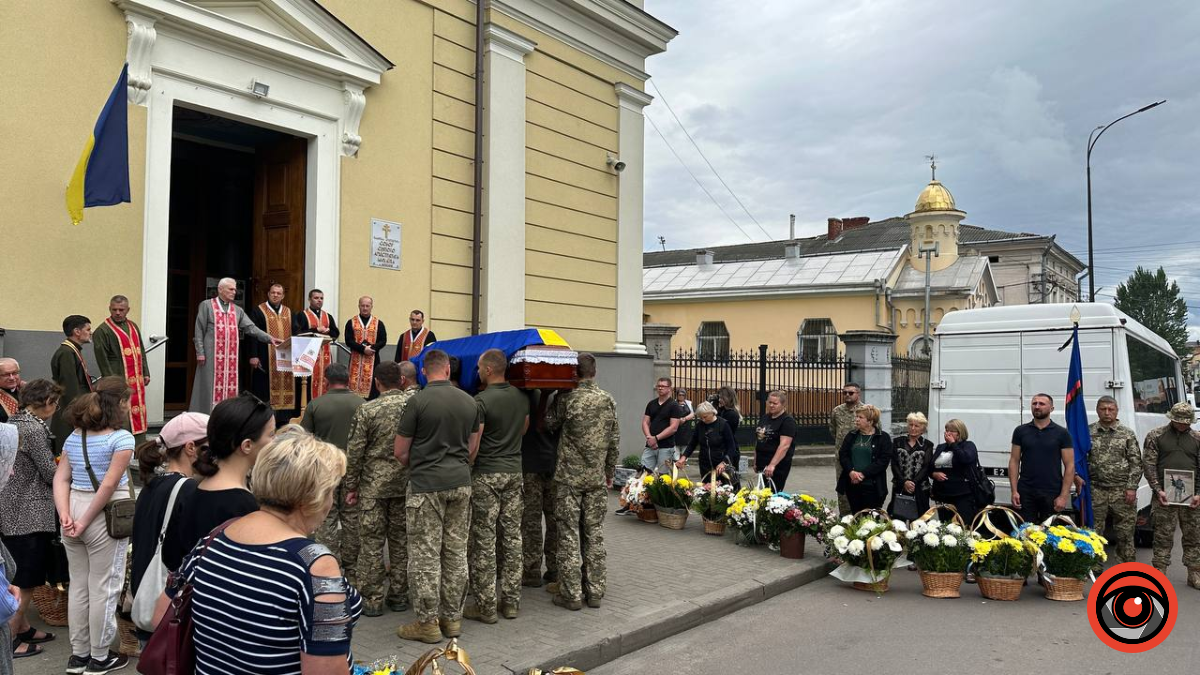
(165, 465)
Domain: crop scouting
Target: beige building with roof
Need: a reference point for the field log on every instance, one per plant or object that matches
(799, 295)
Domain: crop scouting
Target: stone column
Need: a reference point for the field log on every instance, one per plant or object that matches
(503, 253)
(657, 337)
(631, 141)
(870, 354)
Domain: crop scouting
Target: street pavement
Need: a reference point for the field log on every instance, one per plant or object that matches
(660, 582)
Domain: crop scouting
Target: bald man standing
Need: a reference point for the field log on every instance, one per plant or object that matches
(220, 324)
(365, 335)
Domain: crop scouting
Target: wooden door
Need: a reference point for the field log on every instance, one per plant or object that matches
(279, 221)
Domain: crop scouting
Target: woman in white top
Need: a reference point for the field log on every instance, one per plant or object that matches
(96, 560)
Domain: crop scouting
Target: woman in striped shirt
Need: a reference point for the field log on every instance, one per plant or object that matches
(266, 598)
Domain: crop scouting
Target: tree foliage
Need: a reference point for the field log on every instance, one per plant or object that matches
(1156, 304)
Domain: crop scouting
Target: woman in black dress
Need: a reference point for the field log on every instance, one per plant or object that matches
(910, 455)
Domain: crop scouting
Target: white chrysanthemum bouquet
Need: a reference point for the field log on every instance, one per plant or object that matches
(869, 544)
(938, 547)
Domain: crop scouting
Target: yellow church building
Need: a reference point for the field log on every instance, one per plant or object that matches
(343, 145)
(801, 294)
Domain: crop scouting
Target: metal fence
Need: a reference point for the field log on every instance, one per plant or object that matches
(813, 386)
(910, 387)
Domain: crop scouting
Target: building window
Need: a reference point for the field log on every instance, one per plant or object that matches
(920, 348)
(712, 341)
(818, 340)
(993, 258)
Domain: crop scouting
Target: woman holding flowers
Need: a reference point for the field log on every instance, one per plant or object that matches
(714, 438)
(910, 454)
(864, 457)
(950, 466)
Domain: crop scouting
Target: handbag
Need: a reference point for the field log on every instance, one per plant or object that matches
(172, 650)
(118, 513)
(154, 580)
(983, 490)
(904, 507)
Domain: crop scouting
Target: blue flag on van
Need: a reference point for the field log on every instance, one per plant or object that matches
(1077, 424)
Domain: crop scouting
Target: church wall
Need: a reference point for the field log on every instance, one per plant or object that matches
(53, 91)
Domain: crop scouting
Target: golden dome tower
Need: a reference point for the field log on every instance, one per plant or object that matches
(934, 220)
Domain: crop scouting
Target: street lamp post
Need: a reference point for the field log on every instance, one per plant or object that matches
(928, 252)
(1092, 144)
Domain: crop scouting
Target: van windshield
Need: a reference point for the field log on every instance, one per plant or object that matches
(1155, 387)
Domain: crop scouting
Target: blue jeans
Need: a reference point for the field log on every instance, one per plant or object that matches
(653, 459)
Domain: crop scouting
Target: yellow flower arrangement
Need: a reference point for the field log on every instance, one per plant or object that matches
(1066, 551)
(647, 479)
(808, 498)
(683, 483)
(1066, 546)
(1006, 557)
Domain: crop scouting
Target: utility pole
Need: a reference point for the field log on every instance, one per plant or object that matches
(663, 241)
(928, 252)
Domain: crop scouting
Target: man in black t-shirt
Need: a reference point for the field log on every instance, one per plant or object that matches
(1041, 467)
(773, 451)
(659, 424)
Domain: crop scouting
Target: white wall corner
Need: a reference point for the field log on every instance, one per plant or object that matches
(631, 148)
(355, 102)
(499, 40)
(632, 98)
(142, 35)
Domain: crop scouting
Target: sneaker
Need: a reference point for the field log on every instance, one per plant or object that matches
(624, 511)
(114, 661)
(77, 664)
(476, 613)
(573, 605)
(400, 605)
(421, 631)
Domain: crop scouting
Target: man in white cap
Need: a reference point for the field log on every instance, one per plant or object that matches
(1175, 446)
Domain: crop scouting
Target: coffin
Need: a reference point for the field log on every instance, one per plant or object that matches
(543, 367)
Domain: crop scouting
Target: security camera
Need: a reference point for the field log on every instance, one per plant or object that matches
(616, 164)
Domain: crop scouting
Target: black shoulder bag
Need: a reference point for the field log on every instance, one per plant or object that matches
(118, 513)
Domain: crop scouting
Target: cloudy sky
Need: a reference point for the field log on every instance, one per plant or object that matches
(827, 109)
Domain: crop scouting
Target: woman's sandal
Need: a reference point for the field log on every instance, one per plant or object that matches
(30, 649)
(29, 636)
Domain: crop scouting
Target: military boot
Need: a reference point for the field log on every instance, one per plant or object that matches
(372, 609)
(508, 610)
(1194, 577)
(531, 580)
(552, 588)
(399, 605)
(421, 631)
(476, 613)
(573, 605)
(594, 603)
(451, 628)
(550, 576)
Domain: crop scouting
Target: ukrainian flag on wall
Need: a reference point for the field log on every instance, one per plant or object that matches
(101, 177)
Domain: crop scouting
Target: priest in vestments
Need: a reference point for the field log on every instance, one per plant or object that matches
(10, 388)
(119, 351)
(416, 338)
(269, 384)
(365, 335)
(219, 325)
(314, 319)
(69, 370)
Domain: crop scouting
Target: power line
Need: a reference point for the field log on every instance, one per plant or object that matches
(710, 166)
(685, 166)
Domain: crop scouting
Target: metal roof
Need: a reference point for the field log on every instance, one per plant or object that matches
(962, 274)
(846, 270)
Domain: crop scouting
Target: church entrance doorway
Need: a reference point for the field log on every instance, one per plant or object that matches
(237, 209)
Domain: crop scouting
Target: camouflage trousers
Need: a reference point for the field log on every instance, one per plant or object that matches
(495, 539)
(1165, 519)
(339, 532)
(580, 515)
(1112, 500)
(539, 502)
(383, 520)
(438, 526)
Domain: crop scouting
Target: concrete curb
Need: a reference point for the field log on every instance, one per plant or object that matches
(595, 650)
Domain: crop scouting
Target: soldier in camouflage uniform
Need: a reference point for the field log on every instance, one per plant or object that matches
(496, 493)
(1174, 446)
(1115, 468)
(539, 452)
(437, 435)
(377, 483)
(586, 418)
(841, 423)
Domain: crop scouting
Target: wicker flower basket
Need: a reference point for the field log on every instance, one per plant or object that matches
(1063, 589)
(714, 527)
(999, 588)
(941, 584)
(648, 514)
(672, 519)
(127, 631)
(51, 604)
(878, 587)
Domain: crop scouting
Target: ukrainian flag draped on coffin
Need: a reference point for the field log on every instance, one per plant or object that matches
(101, 177)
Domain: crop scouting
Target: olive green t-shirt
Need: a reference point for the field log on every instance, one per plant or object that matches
(440, 419)
(502, 409)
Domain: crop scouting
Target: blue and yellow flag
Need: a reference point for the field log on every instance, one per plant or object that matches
(1077, 424)
(101, 177)
(469, 349)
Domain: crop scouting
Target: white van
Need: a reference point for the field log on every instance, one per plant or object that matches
(988, 363)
